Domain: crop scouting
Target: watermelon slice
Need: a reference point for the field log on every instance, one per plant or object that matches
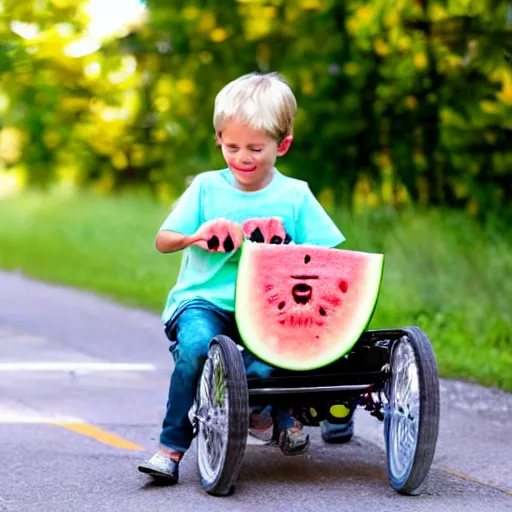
(301, 307)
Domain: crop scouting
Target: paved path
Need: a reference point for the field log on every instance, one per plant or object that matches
(83, 382)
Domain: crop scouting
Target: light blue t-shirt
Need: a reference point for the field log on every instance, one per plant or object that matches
(213, 195)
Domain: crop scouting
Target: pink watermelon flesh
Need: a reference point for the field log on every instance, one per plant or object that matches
(220, 236)
(302, 307)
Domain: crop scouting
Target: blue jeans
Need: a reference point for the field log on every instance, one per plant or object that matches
(190, 330)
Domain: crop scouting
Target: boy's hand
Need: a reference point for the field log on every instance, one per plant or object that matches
(266, 230)
(219, 235)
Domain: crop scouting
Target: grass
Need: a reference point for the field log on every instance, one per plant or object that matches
(443, 271)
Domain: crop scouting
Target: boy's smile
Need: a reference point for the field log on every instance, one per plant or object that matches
(250, 154)
(251, 169)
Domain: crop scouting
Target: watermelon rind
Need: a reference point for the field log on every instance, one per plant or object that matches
(249, 332)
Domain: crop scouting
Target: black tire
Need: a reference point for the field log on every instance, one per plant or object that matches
(408, 466)
(223, 401)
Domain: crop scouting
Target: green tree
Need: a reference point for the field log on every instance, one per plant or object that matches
(409, 101)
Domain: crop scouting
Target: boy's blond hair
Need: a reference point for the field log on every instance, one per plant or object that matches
(263, 101)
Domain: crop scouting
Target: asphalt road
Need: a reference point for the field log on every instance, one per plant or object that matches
(83, 384)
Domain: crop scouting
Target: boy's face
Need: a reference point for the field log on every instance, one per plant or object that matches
(250, 154)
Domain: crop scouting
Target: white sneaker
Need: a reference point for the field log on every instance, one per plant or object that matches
(161, 467)
(261, 425)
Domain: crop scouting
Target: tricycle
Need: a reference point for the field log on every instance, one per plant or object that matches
(391, 373)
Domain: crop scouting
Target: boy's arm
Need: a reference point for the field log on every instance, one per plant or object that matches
(218, 235)
(178, 230)
(172, 241)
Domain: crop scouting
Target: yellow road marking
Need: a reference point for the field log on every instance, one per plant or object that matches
(101, 435)
(475, 480)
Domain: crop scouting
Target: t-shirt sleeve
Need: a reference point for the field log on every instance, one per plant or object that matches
(314, 226)
(185, 216)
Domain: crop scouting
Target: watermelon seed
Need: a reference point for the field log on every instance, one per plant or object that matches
(322, 312)
(276, 240)
(343, 286)
(281, 305)
(228, 244)
(213, 243)
(287, 239)
(307, 259)
(257, 236)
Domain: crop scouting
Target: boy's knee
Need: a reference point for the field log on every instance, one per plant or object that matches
(194, 332)
(192, 350)
(189, 365)
(194, 340)
(196, 328)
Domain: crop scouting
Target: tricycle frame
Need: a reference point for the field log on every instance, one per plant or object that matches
(392, 373)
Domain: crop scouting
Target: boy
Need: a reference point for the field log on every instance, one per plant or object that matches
(253, 121)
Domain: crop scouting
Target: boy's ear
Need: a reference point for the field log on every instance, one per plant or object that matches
(218, 140)
(283, 148)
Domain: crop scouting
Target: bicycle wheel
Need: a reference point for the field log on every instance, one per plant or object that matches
(411, 422)
(222, 417)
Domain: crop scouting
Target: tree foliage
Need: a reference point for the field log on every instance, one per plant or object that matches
(398, 101)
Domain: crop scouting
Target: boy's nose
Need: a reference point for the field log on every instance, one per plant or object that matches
(246, 159)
